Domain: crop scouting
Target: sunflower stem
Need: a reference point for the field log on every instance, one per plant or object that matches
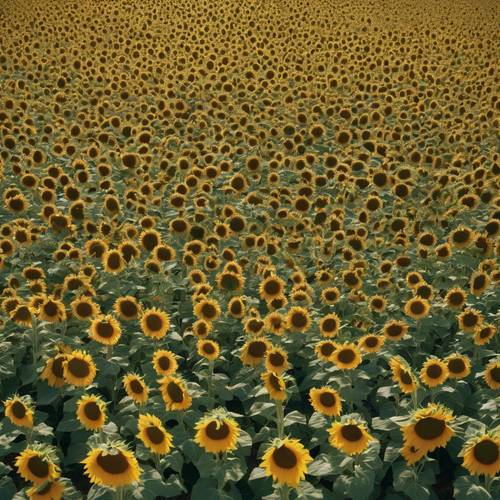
(210, 382)
(156, 459)
(284, 492)
(109, 352)
(34, 337)
(280, 419)
(487, 482)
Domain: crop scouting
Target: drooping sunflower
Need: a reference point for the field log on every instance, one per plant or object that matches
(411, 454)
(326, 400)
(469, 319)
(395, 329)
(84, 308)
(22, 315)
(434, 372)
(271, 287)
(153, 434)
(37, 463)
(298, 319)
(275, 386)
(349, 436)
(403, 375)
(53, 372)
(275, 323)
(286, 461)
(458, 365)
(347, 356)
(276, 360)
(325, 349)
(207, 309)
(105, 329)
(174, 393)
(49, 490)
(492, 374)
(455, 298)
(217, 432)
(164, 362)
(91, 412)
(479, 281)
(155, 323)
(429, 428)
(79, 369)
(52, 310)
(236, 307)
(329, 325)
(202, 328)
(19, 411)
(484, 333)
(113, 261)
(136, 388)
(127, 308)
(112, 465)
(254, 351)
(417, 308)
(209, 349)
(481, 454)
(371, 343)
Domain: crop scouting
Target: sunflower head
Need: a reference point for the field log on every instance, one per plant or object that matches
(326, 400)
(349, 436)
(38, 464)
(371, 343)
(298, 319)
(434, 372)
(329, 325)
(155, 323)
(492, 374)
(136, 388)
(325, 350)
(49, 490)
(91, 412)
(395, 329)
(18, 409)
(275, 385)
(254, 351)
(153, 434)
(484, 333)
(470, 319)
(209, 349)
(127, 308)
(481, 454)
(276, 360)
(347, 356)
(174, 393)
(164, 362)
(286, 461)
(79, 369)
(106, 330)
(53, 372)
(417, 308)
(403, 375)
(217, 432)
(459, 365)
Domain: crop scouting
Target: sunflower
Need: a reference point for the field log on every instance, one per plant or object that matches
(325, 349)
(127, 308)
(18, 410)
(371, 343)
(236, 307)
(492, 374)
(429, 428)
(254, 326)
(326, 400)
(105, 330)
(49, 490)
(155, 323)
(22, 315)
(484, 333)
(275, 385)
(217, 433)
(286, 461)
(275, 323)
(329, 325)
(434, 372)
(230, 282)
(113, 261)
(271, 287)
(347, 356)
(153, 434)
(276, 360)
(207, 309)
(470, 319)
(403, 375)
(37, 464)
(298, 319)
(208, 349)
(411, 454)
(53, 372)
(52, 310)
(461, 237)
(479, 281)
(202, 328)
(112, 465)
(164, 362)
(330, 295)
(455, 298)
(458, 365)
(377, 304)
(395, 329)
(350, 436)
(254, 351)
(174, 393)
(91, 412)
(84, 308)
(79, 369)
(136, 388)
(417, 308)
(481, 454)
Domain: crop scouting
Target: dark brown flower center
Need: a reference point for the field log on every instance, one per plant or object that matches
(276, 359)
(136, 386)
(154, 322)
(78, 367)
(351, 432)
(155, 435)
(275, 382)
(461, 236)
(164, 362)
(257, 349)
(114, 261)
(175, 392)
(57, 366)
(417, 307)
(429, 428)
(371, 342)
(92, 410)
(217, 430)
(470, 319)
(479, 282)
(208, 310)
(329, 325)
(50, 309)
(327, 399)
(495, 374)
(327, 349)
(486, 452)
(299, 320)
(128, 308)
(38, 467)
(405, 377)
(284, 457)
(456, 365)
(456, 298)
(434, 371)
(84, 309)
(208, 348)
(45, 489)
(272, 287)
(346, 356)
(105, 329)
(113, 464)
(394, 330)
(18, 409)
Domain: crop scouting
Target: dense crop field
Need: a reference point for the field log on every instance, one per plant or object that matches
(249, 249)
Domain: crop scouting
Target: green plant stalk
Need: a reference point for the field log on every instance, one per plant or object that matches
(487, 483)
(34, 340)
(156, 459)
(280, 417)
(210, 382)
(284, 492)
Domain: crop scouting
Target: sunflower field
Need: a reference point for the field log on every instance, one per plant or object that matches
(249, 249)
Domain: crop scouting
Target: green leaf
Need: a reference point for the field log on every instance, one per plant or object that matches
(294, 417)
(257, 473)
(205, 489)
(7, 487)
(321, 466)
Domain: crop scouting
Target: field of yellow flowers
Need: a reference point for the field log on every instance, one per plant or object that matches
(249, 249)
